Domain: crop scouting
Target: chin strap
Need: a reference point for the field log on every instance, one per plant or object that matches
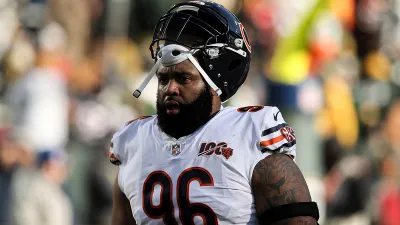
(204, 74)
(171, 55)
(146, 81)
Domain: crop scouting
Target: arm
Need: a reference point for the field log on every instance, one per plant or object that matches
(278, 181)
(121, 210)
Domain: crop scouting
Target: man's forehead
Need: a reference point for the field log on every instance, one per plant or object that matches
(182, 67)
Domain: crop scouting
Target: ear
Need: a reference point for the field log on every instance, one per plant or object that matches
(213, 93)
(215, 97)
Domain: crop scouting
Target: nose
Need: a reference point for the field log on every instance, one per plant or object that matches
(172, 88)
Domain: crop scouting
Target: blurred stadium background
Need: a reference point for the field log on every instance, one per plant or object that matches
(68, 68)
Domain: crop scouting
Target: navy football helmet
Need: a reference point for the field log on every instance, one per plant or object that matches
(211, 37)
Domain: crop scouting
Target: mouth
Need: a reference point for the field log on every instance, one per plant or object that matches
(172, 107)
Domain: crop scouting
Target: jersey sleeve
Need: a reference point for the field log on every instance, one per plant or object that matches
(113, 155)
(276, 135)
(273, 136)
(117, 151)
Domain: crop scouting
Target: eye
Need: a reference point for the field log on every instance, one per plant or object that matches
(163, 79)
(183, 79)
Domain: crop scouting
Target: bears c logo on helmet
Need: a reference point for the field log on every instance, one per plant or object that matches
(245, 38)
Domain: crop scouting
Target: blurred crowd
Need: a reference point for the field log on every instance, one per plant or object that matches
(68, 69)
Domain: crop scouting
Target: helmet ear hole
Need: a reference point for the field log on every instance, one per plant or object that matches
(234, 64)
(176, 52)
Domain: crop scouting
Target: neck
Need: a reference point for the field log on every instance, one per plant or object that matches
(215, 109)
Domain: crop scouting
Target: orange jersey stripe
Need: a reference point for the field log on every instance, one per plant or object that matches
(271, 141)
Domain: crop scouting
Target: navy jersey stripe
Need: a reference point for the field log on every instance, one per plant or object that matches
(273, 129)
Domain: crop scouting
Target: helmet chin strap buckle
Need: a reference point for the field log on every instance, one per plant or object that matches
(170, 55)
(137, 93)
(146, 81)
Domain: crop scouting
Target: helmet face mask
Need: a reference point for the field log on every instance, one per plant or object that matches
(211, 33)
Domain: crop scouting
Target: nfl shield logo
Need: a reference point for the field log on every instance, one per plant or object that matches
(175, 149)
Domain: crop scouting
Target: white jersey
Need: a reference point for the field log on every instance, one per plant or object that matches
(204, 177)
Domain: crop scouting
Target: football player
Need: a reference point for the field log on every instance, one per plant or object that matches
(196, 162)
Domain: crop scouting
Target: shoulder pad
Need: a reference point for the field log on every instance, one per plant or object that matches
(117, 146)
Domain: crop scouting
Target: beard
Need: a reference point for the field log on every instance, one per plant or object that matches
(190, 117)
